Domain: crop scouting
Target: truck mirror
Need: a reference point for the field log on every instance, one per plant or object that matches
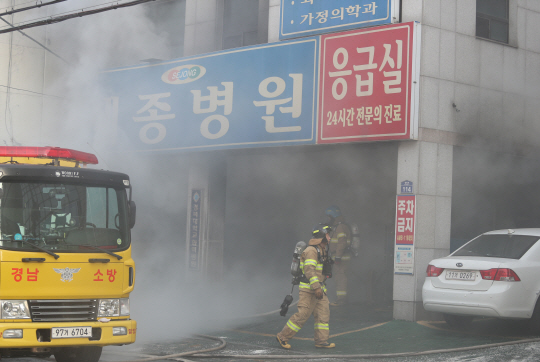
(132, 214)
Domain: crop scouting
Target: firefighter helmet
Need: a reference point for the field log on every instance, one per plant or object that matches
(333, 211)
(320, 230)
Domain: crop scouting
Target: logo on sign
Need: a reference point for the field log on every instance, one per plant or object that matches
(183, 74)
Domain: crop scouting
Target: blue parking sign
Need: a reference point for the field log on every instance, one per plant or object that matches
(255, 96)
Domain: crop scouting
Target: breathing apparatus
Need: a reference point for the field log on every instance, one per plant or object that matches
(296, 271)
(319, 231)
(355, 243)
(297, 274)
(334, 212)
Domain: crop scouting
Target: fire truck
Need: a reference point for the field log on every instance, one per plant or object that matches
(66, 270)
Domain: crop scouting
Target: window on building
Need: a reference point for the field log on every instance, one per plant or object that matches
(168, 17)
(240, 23)
(492, 19)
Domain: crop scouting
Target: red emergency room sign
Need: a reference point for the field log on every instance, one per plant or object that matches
(369, 84)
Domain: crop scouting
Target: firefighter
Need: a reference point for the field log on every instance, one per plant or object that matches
(314, 263)
(340, 243)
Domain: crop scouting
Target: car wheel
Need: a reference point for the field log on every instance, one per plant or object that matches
(534, 322)
(78, 354)
(458, 321)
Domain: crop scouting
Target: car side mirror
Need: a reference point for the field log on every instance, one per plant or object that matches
(132, 214)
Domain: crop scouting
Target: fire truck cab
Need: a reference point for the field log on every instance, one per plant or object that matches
(66, 270)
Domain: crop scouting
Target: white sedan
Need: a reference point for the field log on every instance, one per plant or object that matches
(496, 274)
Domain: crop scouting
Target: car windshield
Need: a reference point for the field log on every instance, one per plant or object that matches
(62, 217)
(498, 246)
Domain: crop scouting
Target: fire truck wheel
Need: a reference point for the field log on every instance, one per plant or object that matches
(78, 354)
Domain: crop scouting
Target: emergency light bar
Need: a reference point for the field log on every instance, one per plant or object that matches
(48, 152)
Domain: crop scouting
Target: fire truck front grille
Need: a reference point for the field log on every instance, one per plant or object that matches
(63, 310)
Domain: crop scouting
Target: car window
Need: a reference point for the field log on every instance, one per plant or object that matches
(498, 246)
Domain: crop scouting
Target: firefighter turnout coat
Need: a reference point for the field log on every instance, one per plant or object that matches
(308, 304)
(339, 248)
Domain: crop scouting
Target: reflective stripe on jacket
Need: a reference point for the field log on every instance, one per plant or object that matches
(341, 239)
(312, 269)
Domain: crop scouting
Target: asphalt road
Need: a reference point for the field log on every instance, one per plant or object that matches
(357, 330)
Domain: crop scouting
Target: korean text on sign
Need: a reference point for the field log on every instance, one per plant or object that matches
(310, 17)
(194, 229)
(257, 96)
(405, 217)
(367, 84)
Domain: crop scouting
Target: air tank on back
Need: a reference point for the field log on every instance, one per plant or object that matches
(295, 265)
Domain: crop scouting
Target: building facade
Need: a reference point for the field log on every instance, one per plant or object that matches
(472, 166)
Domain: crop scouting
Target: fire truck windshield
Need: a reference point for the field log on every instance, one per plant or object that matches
(63, 217)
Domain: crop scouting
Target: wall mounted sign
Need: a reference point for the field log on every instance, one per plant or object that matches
(405, 230)
(309, 17)
(369, 84)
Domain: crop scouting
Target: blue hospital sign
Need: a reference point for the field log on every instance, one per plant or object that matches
(309, 17)
(246, 97)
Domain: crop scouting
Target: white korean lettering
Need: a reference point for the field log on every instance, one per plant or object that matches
(401, 206)
(397, 112)
(224, 126)
(215, 98)
(295, 108)
(364, 83)
(370, 65)
(322, 16)
(370, 8)
(353, 10)
(410, 207)
(152, 105)
(161, 133)
(306, 17)
(401, 224)
(340, 73)
(153, 101)
(360, 83)
(337, 13)
(409, 226)
(396, 74)
(360, 116)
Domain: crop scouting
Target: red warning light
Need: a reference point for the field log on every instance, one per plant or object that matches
(48, 152)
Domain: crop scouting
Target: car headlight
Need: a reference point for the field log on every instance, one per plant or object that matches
(14, 309)
(113, 307)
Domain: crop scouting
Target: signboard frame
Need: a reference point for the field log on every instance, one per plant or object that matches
(404, 238)
(290, 12)
(269, 119)
(412, 85)
(195, 230)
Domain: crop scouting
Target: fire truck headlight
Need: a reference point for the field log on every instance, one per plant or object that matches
(109, 308)
(124, 306)
(15, 309)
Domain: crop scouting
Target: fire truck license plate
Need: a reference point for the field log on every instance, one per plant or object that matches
(71, 332)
